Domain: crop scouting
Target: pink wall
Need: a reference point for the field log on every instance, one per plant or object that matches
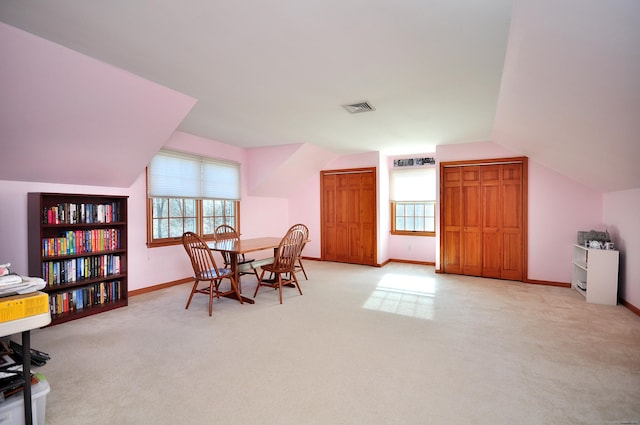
(412, 248)
(621, 218)
(279, 171)
(558, 209)
(289, 175)
(304, 207)
(385, 251)
(261, 163)
(363, 160)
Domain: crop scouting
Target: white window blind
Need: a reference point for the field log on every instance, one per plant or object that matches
(221, 179)
(181, 175)
(415, 184)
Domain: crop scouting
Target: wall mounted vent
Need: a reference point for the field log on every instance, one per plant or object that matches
(413, 162)
(355, 108)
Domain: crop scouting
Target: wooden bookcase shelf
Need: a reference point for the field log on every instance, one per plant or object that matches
(78, 245)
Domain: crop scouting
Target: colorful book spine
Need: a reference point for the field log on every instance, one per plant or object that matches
(71, 213)
(83, 298)
(81, 241)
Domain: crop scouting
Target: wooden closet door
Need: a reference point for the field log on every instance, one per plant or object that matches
(513, 201)
(362, 218)
(451, 216)
(483, 219)
(349, 216)
(492, 212)
(335, 218)
(502, 221)
(471, 222)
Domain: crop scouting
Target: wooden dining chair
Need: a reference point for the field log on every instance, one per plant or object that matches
(283, 270)
(305, 230)
(206, 270)
(245, 266)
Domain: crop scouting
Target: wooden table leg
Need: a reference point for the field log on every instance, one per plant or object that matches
(236, 276)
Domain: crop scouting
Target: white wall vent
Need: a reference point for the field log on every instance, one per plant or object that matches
(355, 108)
(413, 162)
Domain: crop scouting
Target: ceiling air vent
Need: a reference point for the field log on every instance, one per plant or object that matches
(359, 107)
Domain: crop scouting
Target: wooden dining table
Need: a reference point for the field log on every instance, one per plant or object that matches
(236, 247)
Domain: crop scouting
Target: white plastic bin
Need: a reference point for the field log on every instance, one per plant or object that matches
(12, 409)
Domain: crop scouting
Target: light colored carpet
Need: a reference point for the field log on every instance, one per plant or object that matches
(363, 345)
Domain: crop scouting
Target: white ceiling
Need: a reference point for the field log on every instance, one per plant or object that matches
(273, 73)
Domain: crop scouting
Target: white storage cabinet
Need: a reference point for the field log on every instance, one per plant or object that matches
(595, 274)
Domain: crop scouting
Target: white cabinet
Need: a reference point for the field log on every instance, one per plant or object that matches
(595, 274)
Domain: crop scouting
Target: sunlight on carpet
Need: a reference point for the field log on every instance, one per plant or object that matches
(404, 295)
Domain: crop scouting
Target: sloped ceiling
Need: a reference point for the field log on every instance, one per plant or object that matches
(282, 170)
(68, 118)
(269, 74)
(570, 94)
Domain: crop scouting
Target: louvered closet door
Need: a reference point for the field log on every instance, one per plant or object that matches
(349, 216)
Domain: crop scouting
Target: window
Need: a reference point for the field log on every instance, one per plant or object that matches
(413, 201)
(190, 193)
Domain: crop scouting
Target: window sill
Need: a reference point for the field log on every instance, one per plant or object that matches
(171, 241)
(403, 233)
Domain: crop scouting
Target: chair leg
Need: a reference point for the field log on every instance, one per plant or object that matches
(259, 283)
(295, 280)
(212, 285)
(280, 286)
(303, 270)
(256, 273)
(193, 291)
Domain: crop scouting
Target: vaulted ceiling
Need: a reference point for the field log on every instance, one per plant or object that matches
(556, 80)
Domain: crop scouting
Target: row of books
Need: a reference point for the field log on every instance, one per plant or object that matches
(86, 297)
(81, 241)
(76, 269)
(70, 213)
